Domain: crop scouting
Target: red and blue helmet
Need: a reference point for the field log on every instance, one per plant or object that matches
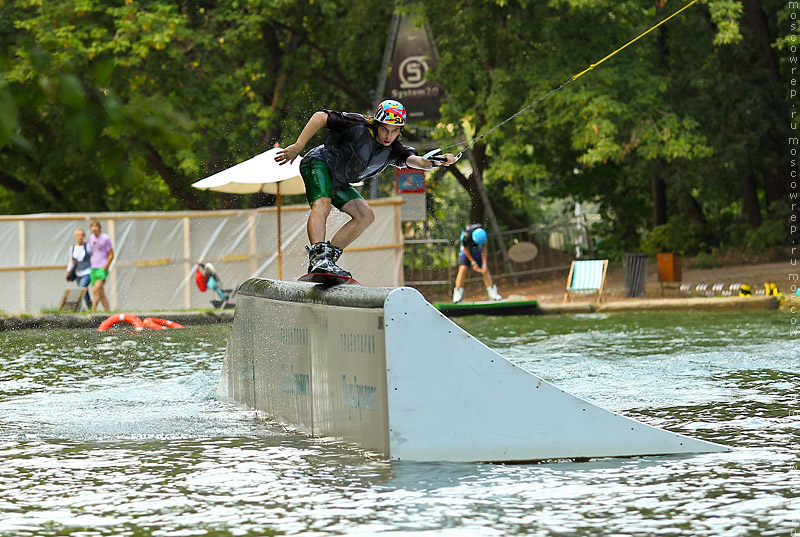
(391, 112)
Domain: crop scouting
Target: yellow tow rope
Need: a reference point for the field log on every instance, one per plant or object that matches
(687, 6)
(472, 142)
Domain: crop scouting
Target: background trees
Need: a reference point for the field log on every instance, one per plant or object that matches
(679, 140)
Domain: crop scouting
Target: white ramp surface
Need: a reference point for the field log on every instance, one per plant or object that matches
(383, 369)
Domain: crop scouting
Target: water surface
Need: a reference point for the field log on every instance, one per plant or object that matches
(120, 434)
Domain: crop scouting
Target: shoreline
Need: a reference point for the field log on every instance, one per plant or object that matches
(752, 303)
(93, 320)
(549, 289)
(194, 318)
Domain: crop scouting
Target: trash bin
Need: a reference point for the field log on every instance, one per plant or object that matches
(635, 269)
(669, 267)
(669, 271)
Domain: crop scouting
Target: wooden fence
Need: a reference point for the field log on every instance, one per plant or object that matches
(434, 261)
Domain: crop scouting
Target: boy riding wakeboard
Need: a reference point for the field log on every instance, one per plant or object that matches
(357, 147)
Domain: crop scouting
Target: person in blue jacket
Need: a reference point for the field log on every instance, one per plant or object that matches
(471, 254)
(357, 147)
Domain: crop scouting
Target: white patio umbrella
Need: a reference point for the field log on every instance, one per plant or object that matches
(259, 174)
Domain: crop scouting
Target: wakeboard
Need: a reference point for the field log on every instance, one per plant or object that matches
(328, 280)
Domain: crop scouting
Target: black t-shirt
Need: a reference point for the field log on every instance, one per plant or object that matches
(351, 151)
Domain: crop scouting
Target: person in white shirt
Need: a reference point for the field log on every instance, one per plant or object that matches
(80, 258)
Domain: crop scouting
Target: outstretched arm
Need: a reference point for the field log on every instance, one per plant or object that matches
(415, 161)
(315, 123)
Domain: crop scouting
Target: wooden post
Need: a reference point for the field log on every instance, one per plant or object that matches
(187, 264)
(23, 297)
(280, 254)
(251, 231)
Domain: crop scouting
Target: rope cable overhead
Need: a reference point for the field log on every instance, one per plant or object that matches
(471, 142)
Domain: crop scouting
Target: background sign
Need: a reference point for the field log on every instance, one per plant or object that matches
(410, 180)
(411, 187)
(408, 83)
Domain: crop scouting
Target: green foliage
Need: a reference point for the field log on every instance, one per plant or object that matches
(726, 14)
(705, 260)
(677, 236)
(9, 122)
(725, 231)
(769, 234)
(122, 105)
(608, 244)
(450, 209)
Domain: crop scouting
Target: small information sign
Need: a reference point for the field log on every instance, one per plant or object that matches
(411, 187)
(410, 181)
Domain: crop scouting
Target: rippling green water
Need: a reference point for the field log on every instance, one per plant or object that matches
(120, 434)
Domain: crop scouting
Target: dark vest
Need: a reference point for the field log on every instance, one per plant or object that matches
(353, 154)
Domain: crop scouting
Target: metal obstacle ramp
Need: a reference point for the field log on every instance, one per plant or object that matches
(383, 369)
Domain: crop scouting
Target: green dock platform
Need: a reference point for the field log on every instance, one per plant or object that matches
(502, 307)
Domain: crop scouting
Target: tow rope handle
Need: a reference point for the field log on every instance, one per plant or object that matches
(437, 159)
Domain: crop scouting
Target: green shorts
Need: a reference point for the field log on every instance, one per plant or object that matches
(97, 274)
(319, 184)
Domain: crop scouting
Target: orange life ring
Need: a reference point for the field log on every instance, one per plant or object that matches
(121, 318)
(154, 323)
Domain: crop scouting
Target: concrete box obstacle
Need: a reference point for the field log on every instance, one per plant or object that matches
(383, 369)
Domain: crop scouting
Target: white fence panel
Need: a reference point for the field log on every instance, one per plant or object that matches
(156, 252)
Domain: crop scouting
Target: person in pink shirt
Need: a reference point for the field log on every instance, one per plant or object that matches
(102, 253)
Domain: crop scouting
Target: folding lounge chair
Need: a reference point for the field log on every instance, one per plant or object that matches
(587, 277)
(72, 298)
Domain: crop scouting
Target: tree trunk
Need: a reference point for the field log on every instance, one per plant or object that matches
(277, 103)
(476, 209)
(693, 210)
(776, 178)
(12, 183)
(505, 216)
(168, 175)
(750, 194)
(756, 21)
(776, 185)
(477, 212)
(659, 193)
